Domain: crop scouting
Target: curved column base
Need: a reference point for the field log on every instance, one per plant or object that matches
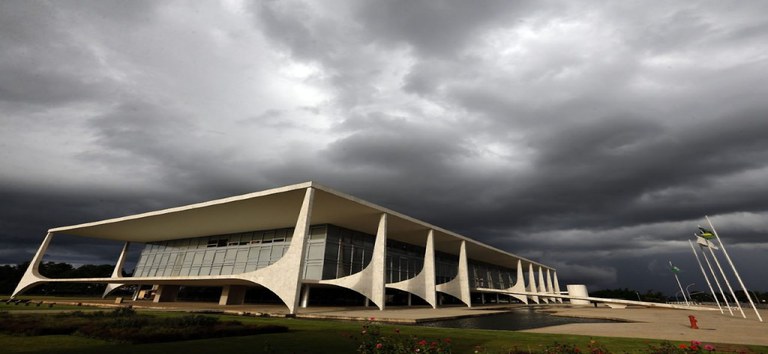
(110, 288)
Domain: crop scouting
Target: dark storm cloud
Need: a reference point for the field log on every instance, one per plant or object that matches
(28, 213)
(382, 144)
(35, 58)
(436, 28)
(633, 171)
(593, 137)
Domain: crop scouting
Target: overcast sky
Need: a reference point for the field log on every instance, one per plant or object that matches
(592, 136)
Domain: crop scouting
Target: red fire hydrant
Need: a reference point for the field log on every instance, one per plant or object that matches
(692, 318)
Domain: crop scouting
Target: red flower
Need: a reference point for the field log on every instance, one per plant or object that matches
(433, 344)
(682, 346)
(447, 340)
(378, 345)
(423, 342)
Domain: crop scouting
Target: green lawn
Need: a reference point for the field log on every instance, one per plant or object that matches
(323, 336)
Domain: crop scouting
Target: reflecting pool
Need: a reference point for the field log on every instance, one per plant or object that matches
(515, 319)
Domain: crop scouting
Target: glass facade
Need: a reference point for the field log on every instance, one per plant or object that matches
(332, 252)
(346, 252)
(404, 261)
(446, 267)
(485, 275)
(213, 255)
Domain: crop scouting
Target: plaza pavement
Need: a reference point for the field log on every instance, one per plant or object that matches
(666, 324)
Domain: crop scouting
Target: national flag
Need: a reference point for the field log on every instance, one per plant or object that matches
(674, 269)
(706, 234)
(706, 243)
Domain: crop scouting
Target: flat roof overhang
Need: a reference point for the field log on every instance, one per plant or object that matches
(278, 208)
(184, 281)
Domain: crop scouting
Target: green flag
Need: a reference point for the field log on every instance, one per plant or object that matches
(674, 269)
(706, 234)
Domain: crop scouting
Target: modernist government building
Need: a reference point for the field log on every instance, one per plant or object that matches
(303, 240)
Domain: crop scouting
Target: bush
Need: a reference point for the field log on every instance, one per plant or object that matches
(559, 348)
(192, 321)
(125, 325)
(683, 348)
(373, 341)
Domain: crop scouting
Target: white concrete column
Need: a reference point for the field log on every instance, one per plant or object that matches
(557, 286)
(459, 286)
(532, 284)
(305, 296)
(378, 264)
(550, 289)
(371, 281)
(542, 286)
(423, 283)
(294, 257)
(166, 293)
(232, 295)
(32, 276)
(517, 291)
(224, 297)
(284, 276)
(466, 296)
(118, 271)
(430, 271)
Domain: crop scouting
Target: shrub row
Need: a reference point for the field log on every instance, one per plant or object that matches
(127, 326)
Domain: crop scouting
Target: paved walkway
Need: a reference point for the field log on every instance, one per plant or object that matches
(664, 324)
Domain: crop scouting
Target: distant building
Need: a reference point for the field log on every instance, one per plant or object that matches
(291, 240)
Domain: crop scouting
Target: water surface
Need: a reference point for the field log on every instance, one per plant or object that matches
(514, 320)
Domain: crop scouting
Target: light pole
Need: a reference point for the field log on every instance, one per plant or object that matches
(689, 293)
(702, 293)
(676, 270)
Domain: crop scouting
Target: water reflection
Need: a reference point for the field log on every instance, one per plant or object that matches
(516, 319)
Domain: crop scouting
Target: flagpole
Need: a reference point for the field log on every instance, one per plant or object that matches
(727, 283)
(725, 299)
(678, 283)
(743, 287)
(705, 276)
